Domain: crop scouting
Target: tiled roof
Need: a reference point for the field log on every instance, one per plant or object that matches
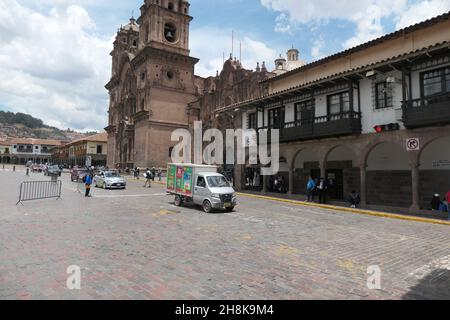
(33, 141)
(348, 72)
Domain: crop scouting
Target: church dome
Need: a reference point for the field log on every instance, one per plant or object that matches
(132, 26)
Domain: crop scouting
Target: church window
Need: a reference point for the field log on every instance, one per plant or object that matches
(134, 43)
(170, 6)
(170, 32)
(170, 75)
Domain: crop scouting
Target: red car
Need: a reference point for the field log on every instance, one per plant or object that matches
(77, 175)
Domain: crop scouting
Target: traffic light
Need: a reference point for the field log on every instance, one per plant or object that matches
(386, 127)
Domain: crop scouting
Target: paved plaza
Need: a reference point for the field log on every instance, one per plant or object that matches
(135, 244)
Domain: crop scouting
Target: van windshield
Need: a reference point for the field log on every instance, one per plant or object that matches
(218, 182)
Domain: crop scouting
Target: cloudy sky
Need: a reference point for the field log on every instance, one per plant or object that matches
(54, 54)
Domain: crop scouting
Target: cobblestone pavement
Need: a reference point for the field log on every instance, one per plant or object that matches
(135, 244)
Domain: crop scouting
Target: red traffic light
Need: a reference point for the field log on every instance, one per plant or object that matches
(378, 129)
(386, 127)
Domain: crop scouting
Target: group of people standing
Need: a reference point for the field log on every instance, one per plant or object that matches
(320, 188)
(277, 184)
(441, 205)
(317, 187)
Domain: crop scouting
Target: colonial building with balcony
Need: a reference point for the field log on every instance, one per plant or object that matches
(22, 150)
(374, 118)
(76, 153)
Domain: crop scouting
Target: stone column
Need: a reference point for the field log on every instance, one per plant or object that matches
(323, 170)
(415, 187)
(238, 177)
(264, 181)
(291, 182)
(363, 184)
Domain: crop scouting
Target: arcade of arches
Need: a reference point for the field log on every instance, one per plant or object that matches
(379, 168)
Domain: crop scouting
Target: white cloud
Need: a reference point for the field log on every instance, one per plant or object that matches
(366, 15)
(316, 50)
(421, 11)
(55, 64)
(253, 50)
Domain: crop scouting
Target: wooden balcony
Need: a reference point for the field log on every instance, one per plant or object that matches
(430, 111)
(342, 124)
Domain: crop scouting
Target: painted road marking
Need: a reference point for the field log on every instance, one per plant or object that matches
(442, 263)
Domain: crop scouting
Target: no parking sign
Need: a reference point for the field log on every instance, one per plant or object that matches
(413, 144)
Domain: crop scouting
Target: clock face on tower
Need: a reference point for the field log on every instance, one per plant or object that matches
(170, 32)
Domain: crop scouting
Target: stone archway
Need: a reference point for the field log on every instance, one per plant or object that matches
(434, 174)
(304, 164)
(388, 175)
(342, 171)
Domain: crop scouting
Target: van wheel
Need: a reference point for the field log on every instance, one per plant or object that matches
(178, 201)
(207, 207)
(230, 209)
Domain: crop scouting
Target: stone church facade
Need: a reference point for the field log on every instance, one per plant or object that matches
(154, 90)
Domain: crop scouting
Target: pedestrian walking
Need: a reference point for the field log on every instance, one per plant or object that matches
(310, 187)
(322, 189)
(88, 184)
(160, 174)
(148, 179)
(153, 174)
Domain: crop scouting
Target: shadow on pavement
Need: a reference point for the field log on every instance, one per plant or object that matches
(435, 286)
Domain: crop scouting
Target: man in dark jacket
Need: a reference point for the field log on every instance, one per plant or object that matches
(322, 189)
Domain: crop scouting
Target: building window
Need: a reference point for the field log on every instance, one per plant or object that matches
(99, 149)
(252, 121)
(338, 103)
(304, 111)
(275, 118)
(170, 6)
(383, 96)
(436, 82)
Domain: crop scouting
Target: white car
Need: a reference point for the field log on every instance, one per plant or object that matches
(110, 180)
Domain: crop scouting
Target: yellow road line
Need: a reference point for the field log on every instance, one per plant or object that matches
(350, 210)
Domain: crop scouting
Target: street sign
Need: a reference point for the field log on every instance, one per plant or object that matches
(88, 162)
(413, 144)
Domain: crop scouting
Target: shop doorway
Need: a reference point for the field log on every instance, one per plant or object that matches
(335, 179)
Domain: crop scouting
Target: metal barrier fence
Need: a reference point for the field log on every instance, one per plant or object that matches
(38, 190)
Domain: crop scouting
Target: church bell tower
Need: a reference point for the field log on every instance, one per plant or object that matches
(165, 25)
(165, 79)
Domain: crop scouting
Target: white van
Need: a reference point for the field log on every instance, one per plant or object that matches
(201, 185)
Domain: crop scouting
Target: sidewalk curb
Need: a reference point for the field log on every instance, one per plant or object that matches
(349, 210)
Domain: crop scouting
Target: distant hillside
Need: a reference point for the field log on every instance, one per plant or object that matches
(20, 125)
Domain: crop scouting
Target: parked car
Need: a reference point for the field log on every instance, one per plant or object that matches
(52, 170)
(110, 180)
(37, 168)
(78, 174)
